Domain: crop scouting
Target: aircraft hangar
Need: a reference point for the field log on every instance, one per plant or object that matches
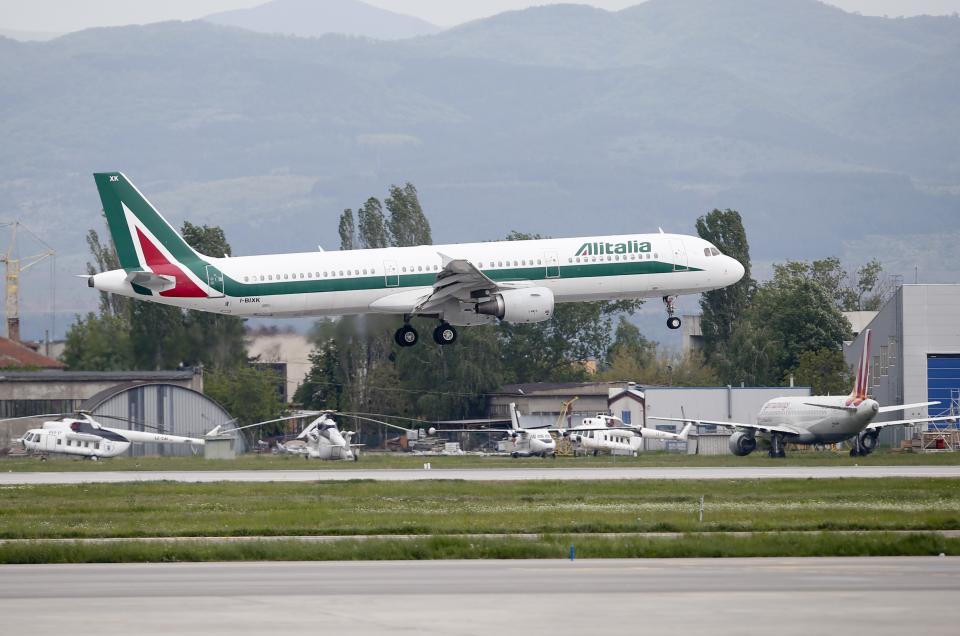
(158, 407)
(915, 354)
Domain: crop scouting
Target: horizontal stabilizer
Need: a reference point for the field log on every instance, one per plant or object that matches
(836, 407)
(903, 407)
(151, 281)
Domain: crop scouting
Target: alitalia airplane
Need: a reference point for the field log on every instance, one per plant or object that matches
(460, 284)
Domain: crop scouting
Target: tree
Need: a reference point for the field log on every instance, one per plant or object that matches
(791, 314)
(212, 340)
(104, 260)
(630, 342)
(373, 226)
(723, 308)
(248, 392)
(348, 231)
(324, 385)
(407, 224)
(99, 343)
(825, 371)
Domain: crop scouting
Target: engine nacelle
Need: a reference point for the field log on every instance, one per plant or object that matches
(528, 304)
(742, 444)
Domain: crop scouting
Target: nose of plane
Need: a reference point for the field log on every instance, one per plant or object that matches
(733, 269)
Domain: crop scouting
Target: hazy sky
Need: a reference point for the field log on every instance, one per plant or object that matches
(71, 15)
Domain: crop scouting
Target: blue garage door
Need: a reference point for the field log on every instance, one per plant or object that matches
(943, 382)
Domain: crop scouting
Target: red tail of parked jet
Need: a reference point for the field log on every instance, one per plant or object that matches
(862, 384)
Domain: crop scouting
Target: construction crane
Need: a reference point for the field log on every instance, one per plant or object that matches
(16, 266)
(564, 447)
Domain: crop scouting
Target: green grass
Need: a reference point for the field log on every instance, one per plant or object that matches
(386, 460)
(165, 509)
(549, 547)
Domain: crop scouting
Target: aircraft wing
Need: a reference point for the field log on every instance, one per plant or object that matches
(766, 428)
(458, 279)
(910, 422)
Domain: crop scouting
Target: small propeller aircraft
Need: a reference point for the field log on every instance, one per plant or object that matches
(603, 433)
(608, 433)
(527, 442)
(83, 436)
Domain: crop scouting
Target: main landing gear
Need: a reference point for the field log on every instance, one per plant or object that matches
(776, 445)
(407, 336)
(672, 321)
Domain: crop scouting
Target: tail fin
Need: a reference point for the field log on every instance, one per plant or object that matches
(862, 385)
(137, 229)
(514, 417)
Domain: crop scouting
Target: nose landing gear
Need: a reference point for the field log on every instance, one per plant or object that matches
(672, 321)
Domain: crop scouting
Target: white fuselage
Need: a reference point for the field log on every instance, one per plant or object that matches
(818, 424)
(532, 443)
(392, 280)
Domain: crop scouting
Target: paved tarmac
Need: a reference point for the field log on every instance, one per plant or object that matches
(781, 597)
(483, 474)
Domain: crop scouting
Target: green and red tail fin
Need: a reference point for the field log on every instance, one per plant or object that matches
(145, 241)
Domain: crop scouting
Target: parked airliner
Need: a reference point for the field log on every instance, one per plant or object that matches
(819, 419)
(459, 285)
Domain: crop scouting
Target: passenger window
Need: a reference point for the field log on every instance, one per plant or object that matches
(59, 442)
(419, 268)
(538, 261)
(246, 279)
(270, 276)
(341, 272)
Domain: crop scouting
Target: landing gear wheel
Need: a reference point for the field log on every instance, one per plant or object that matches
(406, 336)
(672, 321)
(444, 334)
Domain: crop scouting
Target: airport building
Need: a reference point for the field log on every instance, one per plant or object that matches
(914, 354)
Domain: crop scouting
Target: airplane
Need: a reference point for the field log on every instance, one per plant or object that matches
(819, 419)
(608, 433)
(83, 436)
(527, 442)
(603, 433)
(460, 285)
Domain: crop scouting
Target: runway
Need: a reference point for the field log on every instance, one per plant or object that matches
(785, 596)
(482, 474)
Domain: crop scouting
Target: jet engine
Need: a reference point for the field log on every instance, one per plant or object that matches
(528, 304)
(742, 444)
(867, 443)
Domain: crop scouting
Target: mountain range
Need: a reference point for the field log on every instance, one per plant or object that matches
(309, 18)
(833, 133)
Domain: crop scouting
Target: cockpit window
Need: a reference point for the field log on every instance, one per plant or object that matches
(706, 251)
(715, 251)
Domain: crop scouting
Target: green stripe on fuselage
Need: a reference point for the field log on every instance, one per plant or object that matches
(361, 283)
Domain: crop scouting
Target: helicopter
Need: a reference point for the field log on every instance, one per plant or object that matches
(80, 435)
